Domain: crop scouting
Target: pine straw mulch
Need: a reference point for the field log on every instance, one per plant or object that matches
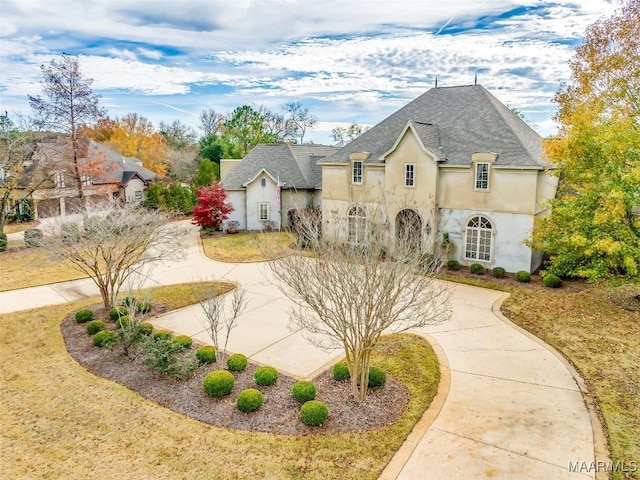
(279, 413)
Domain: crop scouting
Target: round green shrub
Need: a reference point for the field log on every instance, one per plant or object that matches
(552, 281)
(146, 329)
(453, 265)
(523, 276)
(377, 377)
(144, 307)
(123, 322)
(249, 400)
(184, 341)
(116, 312)
(128, 301)
(69, 233)
(476, 269)
(314, 413)
(340, 371)
(84, 316)
(218, 383)
(33, 238)
(103, 338)
(95, 326)
(3, 241)
(303, 391)
(237, 362)
(206, 354)
(162, 335)
(498, 272)
(265, 376)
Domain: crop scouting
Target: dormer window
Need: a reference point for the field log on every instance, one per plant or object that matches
(482, 176)
(409, 174)
(356, 176)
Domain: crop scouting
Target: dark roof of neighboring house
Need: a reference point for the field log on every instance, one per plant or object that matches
(454, 123)
(295, 165)
(122, 168)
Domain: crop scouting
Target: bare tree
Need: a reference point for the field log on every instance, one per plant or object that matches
(299, 120)
(210, 121)
(115, 243)
(179, 136)
(68, 106)
(348, 134)
(349, 293)
(219, 321)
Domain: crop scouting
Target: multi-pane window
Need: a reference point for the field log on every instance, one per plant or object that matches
(357, 224)
(138, 195)
(409, 174)
(482, 176)
(479, 235)
(58, 178)
(263, 211)
(357, 172)
(86, 181)
(263, 182)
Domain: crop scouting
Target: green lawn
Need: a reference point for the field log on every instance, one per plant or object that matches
(245, 247)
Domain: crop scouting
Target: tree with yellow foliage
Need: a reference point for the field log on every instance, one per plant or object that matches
(594, 227)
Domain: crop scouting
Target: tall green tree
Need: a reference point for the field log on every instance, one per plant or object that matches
(245, 128)
(208, 172)
(594, 226)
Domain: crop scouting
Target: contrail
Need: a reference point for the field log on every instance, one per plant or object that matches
(445, 25)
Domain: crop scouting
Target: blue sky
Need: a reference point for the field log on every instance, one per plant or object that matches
(346, 60)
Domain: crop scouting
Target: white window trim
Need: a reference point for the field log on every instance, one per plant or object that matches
(359, 220)
(476, 179)
(268, 211)
(59, 180)
(477, 246)
(137, 195)
(353, 172)
(413, 175)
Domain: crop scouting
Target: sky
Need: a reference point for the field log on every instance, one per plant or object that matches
(345, 60)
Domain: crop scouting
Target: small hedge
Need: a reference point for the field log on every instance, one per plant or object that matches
(218, 383)
(3, 242)
(84, 316)
(377, 377)
(118, 312)
(33, 238)
(162, 335)
(249, 400)
(552, 281)
(476, 269)
(265, 376)
(523, 276)
(103, 338)
(237, 362)
(498, 272)
(314, 413)
(453, 265)
(340, 371)
(123, 322)
(95, 326)
(69, 233)
(304, 391)
(146, 329)
(184, 341)
(144, 307)
(206, 354)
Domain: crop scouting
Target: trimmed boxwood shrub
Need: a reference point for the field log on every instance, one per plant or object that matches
(117, 312)
(218, 383)
(162, 335)
(206, 354)
(84, 316)
(128, 301)
(69, 233)
(123, 322)
(249, 400)
(184, 341)
(498, 272)
(303, 391)
(33, 238)
(377, 377)
(266, 376)
(95, 326)
(552, 281)
(340, 371)
(476, 269)
(103, 338)
(144, 307)
(523, 276)
(237, 362)
(314, 413)
(453, 265)
(146, 329)
(3, 242)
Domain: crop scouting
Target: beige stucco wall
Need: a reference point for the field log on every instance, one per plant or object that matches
(134, 185)
(228, 164)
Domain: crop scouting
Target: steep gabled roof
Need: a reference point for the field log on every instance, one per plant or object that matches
(457, 121)
(119, 169)
(295, 165)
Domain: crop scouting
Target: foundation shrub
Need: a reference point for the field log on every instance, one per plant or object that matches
(95, 326)
(377, 377)
(453, 265)
(206, 354)
(104, 338)
(552, 281)
(476, 269)
(84, 316)
(523, 276)
(498, 272)
(117, 312)
(304, 391)
(314, 413)
(265, 376)
(249, 400)
(219, 383)
(237, 362)
(183, 341)
(340, 371)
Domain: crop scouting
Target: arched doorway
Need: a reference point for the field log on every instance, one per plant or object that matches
(409, 229)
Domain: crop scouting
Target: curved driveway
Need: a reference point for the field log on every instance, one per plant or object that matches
(513, 409)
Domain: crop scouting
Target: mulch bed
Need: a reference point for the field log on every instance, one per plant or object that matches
(279, 413)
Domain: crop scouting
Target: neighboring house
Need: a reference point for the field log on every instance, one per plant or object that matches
(454, 161)
(252, 183)
(105, 176)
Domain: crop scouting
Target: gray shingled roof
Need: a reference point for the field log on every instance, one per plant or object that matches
(123, 167)
(454, 123)
(296, 165)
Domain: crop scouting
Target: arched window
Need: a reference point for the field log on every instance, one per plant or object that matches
(479, 236)
(357, 221)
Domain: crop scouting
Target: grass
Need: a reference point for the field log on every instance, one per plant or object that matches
(19, 227)
(243, 247)
(60, 421)
(602, 341)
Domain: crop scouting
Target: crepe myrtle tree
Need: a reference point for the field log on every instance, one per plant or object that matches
(357, 285)
(116, 243)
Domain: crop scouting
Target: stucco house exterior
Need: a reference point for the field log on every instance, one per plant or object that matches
(454, 162)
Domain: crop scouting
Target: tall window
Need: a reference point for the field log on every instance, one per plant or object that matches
(357, 224)
(478, 240)
(137, 195)
(59, 180)
(263, 211)
(482, 176)
(86, 181)
(357, 172)
(409, 174)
